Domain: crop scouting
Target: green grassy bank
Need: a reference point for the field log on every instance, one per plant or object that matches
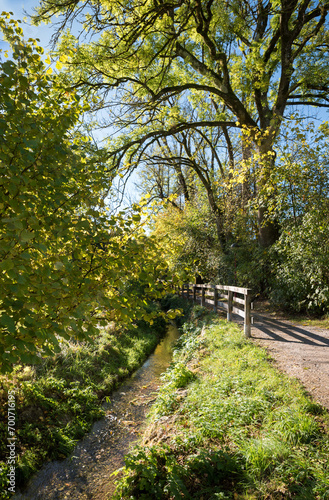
(228, 425)
(56, 402)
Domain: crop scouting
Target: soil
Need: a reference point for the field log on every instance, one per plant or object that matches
(300, 351)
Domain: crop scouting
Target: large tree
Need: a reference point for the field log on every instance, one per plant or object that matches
(178, 170)
(254, 59)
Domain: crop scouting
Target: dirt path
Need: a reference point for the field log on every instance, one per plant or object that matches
(300, 351)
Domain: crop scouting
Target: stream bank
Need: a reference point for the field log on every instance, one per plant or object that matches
(228, 425)
(86, 473)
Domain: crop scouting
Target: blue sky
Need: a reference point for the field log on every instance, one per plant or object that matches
(18, 7)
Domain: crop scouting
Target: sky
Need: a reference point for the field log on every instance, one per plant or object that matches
(18, 7)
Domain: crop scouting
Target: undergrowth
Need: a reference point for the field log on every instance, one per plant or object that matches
(229, 426)
(58, 400)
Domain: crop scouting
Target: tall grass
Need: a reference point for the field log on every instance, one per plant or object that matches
(239, 429)
(58, 400)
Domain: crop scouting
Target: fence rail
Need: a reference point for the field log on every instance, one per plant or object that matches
(224, 297)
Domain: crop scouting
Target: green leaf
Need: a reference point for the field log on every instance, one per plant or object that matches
(6, 265)
(8, 322)
(26, 235)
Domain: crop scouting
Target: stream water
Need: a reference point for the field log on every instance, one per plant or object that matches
(86, 474)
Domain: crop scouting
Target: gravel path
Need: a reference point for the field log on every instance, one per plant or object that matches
(300, 351)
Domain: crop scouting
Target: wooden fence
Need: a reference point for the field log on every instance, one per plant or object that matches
(231, 298)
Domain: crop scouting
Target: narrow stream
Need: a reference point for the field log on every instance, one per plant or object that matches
(86, 474)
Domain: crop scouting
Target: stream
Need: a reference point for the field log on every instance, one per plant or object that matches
(86, 473)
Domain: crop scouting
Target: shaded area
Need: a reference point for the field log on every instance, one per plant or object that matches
(86, 474)
(300, 351)
(287, 332)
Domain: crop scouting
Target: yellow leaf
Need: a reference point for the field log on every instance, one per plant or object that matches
(59, 65)
(49, 71)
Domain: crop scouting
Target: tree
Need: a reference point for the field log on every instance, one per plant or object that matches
(65, 262)
(183, 166)
(188, 240)
(301, 173)
(253, 59)
(300, 257)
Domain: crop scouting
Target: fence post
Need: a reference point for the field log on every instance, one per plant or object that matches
(215, 298)
(183, 290)
(203, 298)
(188, 291)
(229, 305)
(247, 319)
(194, 293)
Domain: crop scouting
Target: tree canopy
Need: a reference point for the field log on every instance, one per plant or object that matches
(66, 263)
(242, 63)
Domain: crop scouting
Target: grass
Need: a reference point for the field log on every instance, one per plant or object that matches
(58, 400)
(298, 318)
(306, 321)
(228, 425)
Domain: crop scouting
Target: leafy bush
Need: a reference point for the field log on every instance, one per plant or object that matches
(302, 273)
(245, 264)
(159, 472)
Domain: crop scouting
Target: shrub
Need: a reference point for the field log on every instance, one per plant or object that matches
(302, 271)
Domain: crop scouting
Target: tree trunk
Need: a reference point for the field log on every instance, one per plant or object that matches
(219, 216)
(268, 232)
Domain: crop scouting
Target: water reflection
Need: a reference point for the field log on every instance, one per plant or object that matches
(86, 474)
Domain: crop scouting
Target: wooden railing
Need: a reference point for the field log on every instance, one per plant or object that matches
(231, 298)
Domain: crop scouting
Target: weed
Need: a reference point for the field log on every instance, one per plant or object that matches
(177, 376)
(294, 426)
